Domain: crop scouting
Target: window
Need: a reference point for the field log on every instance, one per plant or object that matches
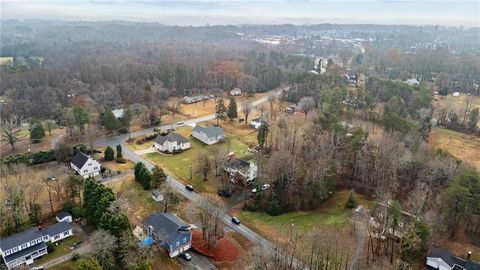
(178, 243)
(24, 246)
(85, 171)
(8, 252)
(66, 233)
(184, 240)
(89, 164)
(56, 237)
(95, 168)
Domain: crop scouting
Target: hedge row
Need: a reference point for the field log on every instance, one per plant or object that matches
(146, 139)
(30, 158)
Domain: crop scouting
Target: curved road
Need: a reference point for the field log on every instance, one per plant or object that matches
(178, 185)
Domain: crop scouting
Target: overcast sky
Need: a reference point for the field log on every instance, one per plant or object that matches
(201, 12)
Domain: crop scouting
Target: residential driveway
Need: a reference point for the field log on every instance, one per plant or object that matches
(198, 262)
(146, 151)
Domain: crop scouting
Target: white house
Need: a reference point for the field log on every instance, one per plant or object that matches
(172, 142)
(257, 123)
(85, 165)
(442, 259)
(64, 216)
(118, 113)
(412, 82)
(236, 92)
(243, 168)
(209, 135)
(22, 248)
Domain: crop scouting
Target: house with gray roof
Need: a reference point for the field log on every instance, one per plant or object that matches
(85, 165)
(209, 134)
(172, 233)
(441, 259)
(171, 143)
(247, 170)
(22, 248)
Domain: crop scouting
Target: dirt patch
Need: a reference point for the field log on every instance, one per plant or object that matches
(225, 251)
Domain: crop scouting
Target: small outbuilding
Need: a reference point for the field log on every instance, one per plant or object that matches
(157, 196)
(64, 216)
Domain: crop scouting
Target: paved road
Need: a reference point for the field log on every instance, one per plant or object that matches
(178, 185)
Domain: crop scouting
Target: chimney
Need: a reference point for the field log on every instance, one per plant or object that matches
(469, 255)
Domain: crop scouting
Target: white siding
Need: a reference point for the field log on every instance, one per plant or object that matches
(90, 168)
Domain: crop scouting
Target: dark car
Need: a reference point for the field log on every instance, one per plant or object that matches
(157, 129)
(189, 187)
(236, 220)
(225, 193)
(186, 256)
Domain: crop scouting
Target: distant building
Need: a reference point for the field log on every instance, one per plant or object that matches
(209, 134)
(22, 248)
(64, 216)
(118, 113)
(236, 92)
(245, 169)
(442, 259)
(412, 82)
(172, 233)
(157, 196)
(456, 94)
(257, 123)
(85, 165)
(352, 77)
(172, 142)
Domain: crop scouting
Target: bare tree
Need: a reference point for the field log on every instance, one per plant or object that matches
(246, 109)
(306, 104)
(173, 106)
(272, 98)
(209, 211)
(92, 133)
(12, 130)
(204, 165)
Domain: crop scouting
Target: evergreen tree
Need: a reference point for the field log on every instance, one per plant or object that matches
(96, 199)
(119, 152)
(109, 154)
(232, 109)
(37, 132)
(110, 122)
(262, 135)
(116, 223)
(158, 177)
(220, 110)
(81, 117)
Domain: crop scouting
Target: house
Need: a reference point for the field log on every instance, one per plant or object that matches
(157, 196)
(236, 92)
(22, 248)
(257, 123)
(245, 169)
(118, 113)
(456, 94)
(412, 82)
(351, 77)
(171, 143)
(442, 259)
(209, 134)
(64, 216)
(85, 165)
(171, 232)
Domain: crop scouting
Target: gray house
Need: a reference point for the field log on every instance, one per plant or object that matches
(171, 232)
(442, 259)
(22, 248)
(172, 142)
(243, 168)
(209, 135)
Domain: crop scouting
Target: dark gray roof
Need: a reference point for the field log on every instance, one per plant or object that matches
(210, 131)
(79, 159)
(63, 214)
(156, 192)
(171, 137)
(58, 228)
(239, 164)
(24, 252)
(165, 225)
(451, 259)
(20, 238)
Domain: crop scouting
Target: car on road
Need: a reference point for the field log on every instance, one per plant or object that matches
(186, 256)
(157, 129)
(265, 187)
(189, 187)
(179, 123)
(236, 220)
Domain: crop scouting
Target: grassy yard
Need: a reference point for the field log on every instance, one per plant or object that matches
(179, 164)
(135, 147)
(461, 145)
(68, 265)
(113, 165)
(60, 250)
(331, 215)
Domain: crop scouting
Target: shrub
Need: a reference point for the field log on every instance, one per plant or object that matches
(43, 157)
(273, 208)
(30, 158)
(119, 151)
(50, 247)
(109, 154)
(80, 147)
(78, 211)
(75, 257)
(351, 202)
(121, 160)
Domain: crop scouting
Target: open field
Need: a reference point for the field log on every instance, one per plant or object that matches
(331, 215)
(182, 164)
(451, 103)
(24, 144)
(463, 146)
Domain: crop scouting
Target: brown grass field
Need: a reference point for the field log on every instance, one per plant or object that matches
(451, 103)
(463, 146)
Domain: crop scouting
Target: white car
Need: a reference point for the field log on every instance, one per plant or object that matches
(265, 187)
(179, 123)
(254, 190)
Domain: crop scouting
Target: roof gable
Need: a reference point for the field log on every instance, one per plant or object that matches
(20, 238)
(171, 137)
(58, 228)
(166, 226)
(209, 131)
(79, 159)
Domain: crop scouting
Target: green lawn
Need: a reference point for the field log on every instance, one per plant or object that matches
(68, 265)
(179, 164)
(60, 250)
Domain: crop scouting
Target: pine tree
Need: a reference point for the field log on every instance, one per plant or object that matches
(262, 134)
(232, 109)
(119, 152)
(109, 154)
(220, 110)
(158, 177)
(37, 132)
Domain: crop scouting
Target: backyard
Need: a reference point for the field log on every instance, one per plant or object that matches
(60, 250)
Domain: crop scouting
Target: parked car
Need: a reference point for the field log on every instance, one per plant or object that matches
(265, 187)
(186, 256)
(157, 129)
(254, 190)
(225, 193)
(189, 187)
(180, 123)
(236, 220)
